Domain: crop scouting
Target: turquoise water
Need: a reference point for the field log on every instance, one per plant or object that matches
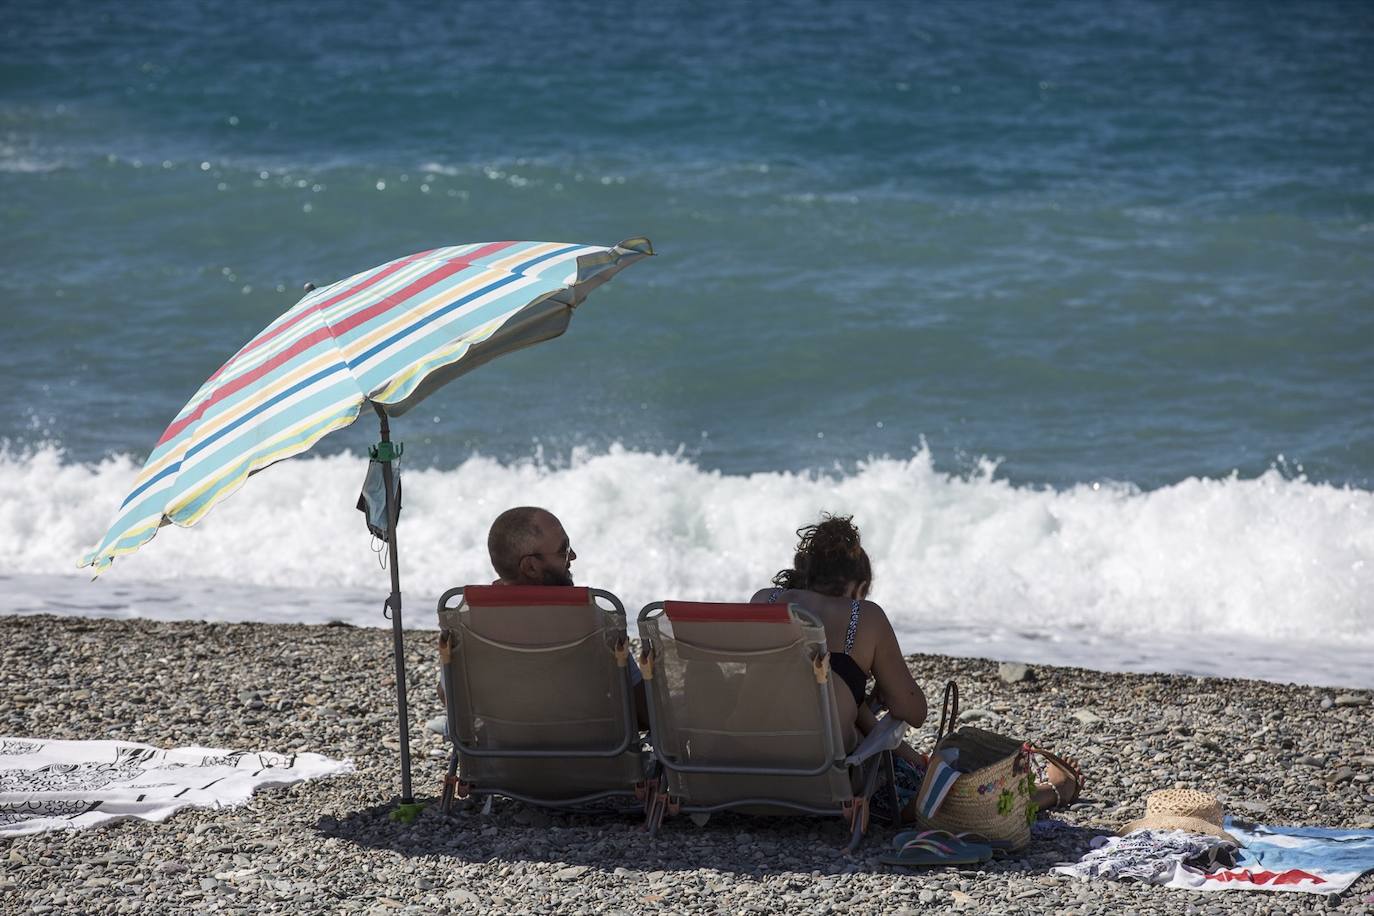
(1013, 254)
(1133, 243)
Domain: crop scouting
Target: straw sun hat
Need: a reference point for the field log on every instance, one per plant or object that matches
(1181, 809)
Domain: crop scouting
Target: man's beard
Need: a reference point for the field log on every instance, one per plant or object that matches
(557, 577)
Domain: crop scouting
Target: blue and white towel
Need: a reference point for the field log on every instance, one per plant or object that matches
(1318, 860)
(1315, 860)
(940, 777)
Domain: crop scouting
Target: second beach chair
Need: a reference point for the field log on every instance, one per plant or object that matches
(743, 716)
(538, 696)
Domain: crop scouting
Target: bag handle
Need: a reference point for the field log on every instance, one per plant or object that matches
(949, 711)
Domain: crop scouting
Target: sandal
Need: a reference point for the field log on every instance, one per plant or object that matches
(917, 848)
(1079, 781)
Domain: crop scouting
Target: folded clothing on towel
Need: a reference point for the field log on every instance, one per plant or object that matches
(1152, 856)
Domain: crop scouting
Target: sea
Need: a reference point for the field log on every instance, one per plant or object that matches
(1070, 305)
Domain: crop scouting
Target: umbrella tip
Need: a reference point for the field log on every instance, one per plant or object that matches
(309, 287)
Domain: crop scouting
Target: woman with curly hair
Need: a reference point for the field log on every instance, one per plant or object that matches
(830, 576)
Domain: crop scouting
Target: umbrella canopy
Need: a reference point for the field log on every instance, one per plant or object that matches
(389, 336)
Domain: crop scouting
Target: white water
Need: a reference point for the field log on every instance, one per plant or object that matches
(1268, 577)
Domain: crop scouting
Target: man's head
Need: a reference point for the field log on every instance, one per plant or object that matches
(528, 546)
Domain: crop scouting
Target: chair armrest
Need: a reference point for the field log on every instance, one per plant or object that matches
(889, 733)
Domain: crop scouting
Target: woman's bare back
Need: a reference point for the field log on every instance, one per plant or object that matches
(873, 647)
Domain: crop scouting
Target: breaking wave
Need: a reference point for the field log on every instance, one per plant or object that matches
(1277, 563)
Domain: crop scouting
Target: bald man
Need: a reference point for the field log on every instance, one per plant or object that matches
(528, 546)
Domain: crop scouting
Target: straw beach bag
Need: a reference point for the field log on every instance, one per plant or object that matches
(977, 782)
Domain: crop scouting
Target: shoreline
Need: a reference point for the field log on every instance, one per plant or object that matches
(1337, 666)
(1270, 752)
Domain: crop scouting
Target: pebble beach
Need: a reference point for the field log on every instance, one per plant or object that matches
(1279, 754)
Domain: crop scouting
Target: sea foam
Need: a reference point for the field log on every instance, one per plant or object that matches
(1271, 576)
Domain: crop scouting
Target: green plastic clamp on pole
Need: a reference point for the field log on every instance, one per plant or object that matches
(406, 814)
(386, 451)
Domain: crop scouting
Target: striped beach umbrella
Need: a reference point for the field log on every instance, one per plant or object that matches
(384, 338)
(389, 336)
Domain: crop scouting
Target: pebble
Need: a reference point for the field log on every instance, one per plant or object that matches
(977, 713)
(1014, 672)
(329, 846)
(1250, 807)
(1352, 699)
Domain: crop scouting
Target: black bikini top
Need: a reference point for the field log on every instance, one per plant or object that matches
(841, 663)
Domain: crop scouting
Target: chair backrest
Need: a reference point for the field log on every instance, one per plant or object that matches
(537, 672)
(742, 694)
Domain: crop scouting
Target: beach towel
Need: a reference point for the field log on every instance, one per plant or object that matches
(69, 785)
(1316, 860)
(941, 774)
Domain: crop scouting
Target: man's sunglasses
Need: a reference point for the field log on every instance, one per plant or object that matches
(563, 553)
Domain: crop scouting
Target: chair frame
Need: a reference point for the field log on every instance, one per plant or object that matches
(871, 761)
(456, 788)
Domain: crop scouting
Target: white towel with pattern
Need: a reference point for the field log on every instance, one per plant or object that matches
(69, 785)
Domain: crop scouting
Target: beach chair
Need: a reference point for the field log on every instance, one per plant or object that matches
(538, 696)
(743, 716)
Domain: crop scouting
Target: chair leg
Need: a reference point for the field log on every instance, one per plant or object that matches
(450, 781)
(890, 772)
(856, 836)
(856, 811)
(655, 806)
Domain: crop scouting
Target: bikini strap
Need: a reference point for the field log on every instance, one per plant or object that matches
(853, 627)
(773, 598)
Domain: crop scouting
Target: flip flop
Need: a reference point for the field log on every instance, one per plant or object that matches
(973, 839)
(906, 836)
(935, 848)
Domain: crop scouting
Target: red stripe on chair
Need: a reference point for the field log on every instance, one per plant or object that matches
(694, 611)
(526, 595)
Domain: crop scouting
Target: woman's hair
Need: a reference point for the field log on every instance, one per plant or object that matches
(828, 558)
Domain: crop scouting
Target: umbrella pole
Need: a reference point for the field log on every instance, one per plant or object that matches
(407, 809)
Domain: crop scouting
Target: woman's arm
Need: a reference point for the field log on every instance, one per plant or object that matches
(898, 688)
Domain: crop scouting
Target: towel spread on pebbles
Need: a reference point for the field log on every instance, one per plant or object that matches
(69, 785)
(1310, 860)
